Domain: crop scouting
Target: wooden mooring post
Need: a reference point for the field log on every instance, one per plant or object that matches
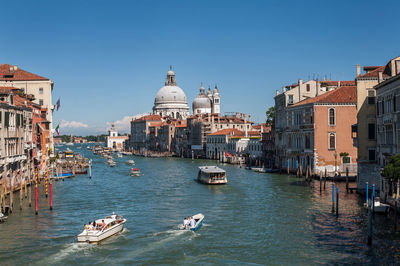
(347, 179)
(337, 201)
(325, 180)
(369, 226)
(333, 197)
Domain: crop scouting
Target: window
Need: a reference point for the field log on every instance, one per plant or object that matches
(290, 99)
(331, 117)
(40, 90)
(308, 87)
(371, 97)
(40, 102)
(346, 159)
(308, 142)
(216, 100)
(371, 131)
(332, 141)
(289, 141)
(377, 108)
(371, 154)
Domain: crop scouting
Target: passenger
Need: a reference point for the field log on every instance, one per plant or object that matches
(185, 222)
(192, 222)
(86, 227)
(103, 225)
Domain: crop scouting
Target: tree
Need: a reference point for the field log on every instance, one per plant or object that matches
(392, 169)
(270, 115)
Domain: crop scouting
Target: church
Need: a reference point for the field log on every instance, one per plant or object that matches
(171, 100)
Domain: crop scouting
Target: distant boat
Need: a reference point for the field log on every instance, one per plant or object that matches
(70, 144)
(119, 155)
(130, 162)
(135, 172)
(199, 221)
(113, 225)
(212, 175)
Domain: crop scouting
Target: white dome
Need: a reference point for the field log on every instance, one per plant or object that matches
(201, 101)
(170, 95)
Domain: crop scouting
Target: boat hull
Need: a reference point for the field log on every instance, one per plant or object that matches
(86, 236)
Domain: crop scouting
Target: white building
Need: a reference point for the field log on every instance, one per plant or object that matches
(171, 100)
(114, 141)
(207, 103)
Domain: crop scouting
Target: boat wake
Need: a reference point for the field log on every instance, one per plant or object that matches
(69, 249)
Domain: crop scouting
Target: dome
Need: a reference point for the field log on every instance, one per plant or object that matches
(170, 94)
(201, 101)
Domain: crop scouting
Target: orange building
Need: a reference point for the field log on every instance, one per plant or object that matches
(319, 132)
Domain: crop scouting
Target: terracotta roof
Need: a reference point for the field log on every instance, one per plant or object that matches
(374, 73)
(345, 94)
(148, 118)
(18, 74)
(336, 82)
(228, 131)
(156, 124)
(6, 89)
(254, 133)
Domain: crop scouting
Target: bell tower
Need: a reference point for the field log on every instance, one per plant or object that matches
(216, 106)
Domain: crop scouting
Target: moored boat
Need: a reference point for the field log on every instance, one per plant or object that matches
(379, 207)
(135, 172)
(212, 175)
(3, 218)
(131, 162)
(198, 222)
(112, 225)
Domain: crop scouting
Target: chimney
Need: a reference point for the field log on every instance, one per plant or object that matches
(262, 128)
(338, 83)
(318, 85)
(380, 77)
(300, 82)
(15, 68)
(358, 70)
(284, 89)
(277, 92)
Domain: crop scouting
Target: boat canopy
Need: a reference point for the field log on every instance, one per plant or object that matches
(211, 169)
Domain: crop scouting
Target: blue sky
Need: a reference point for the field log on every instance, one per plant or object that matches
(108, 59)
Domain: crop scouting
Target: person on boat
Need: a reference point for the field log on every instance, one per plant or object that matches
(103, 225)
(185, 222)
(192, 222)
(86, 227)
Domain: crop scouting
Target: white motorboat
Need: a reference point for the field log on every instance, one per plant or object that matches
(119, 155)
(212, 175)
(3, 218)
(130, 162)
(135, 172)
(112, 225)
(199, 221)
(379, 207)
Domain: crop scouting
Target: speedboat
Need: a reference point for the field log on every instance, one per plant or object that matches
(378, 206)
(212, 175)
(131, 162)
(135, 172)
(112, 225)
(3, 218)
(199, 221)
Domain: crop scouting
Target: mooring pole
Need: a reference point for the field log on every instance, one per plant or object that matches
(347, 180)
(333, 197)
(51, 196)
(325, 180)
(369, 226)
(337, 201)
(366, 195)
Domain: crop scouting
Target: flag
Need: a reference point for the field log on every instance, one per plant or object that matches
(58, 130)
(58, 104)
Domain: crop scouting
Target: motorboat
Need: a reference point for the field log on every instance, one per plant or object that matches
(3, 218)
(130, 162)
(104, 228)
(135, 172)
(212, 175)
(119, 155)
(199, 221)
(378, 206)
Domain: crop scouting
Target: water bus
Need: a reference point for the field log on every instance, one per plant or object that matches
(211, 175)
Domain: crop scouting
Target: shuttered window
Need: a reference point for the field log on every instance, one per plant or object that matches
(7, 119)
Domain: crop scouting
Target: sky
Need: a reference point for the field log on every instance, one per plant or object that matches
(108, 59)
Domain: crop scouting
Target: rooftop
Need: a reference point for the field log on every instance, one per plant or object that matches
(345, 94)
(9, 72)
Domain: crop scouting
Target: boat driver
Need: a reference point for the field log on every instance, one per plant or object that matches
(192, 222)
(186, 222)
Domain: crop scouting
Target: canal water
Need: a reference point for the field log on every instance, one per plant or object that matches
(254, 219)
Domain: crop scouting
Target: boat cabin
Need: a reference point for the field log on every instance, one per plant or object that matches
(212, 175)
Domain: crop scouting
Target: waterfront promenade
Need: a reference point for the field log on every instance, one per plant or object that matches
(254, 219)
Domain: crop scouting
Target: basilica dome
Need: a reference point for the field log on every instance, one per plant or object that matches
(170, 100)
(202, 103)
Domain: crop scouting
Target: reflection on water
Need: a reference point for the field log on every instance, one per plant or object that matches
(255, 218)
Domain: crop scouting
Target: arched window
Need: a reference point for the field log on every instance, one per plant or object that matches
(172, 114)
(332, 141)
(332, 118)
